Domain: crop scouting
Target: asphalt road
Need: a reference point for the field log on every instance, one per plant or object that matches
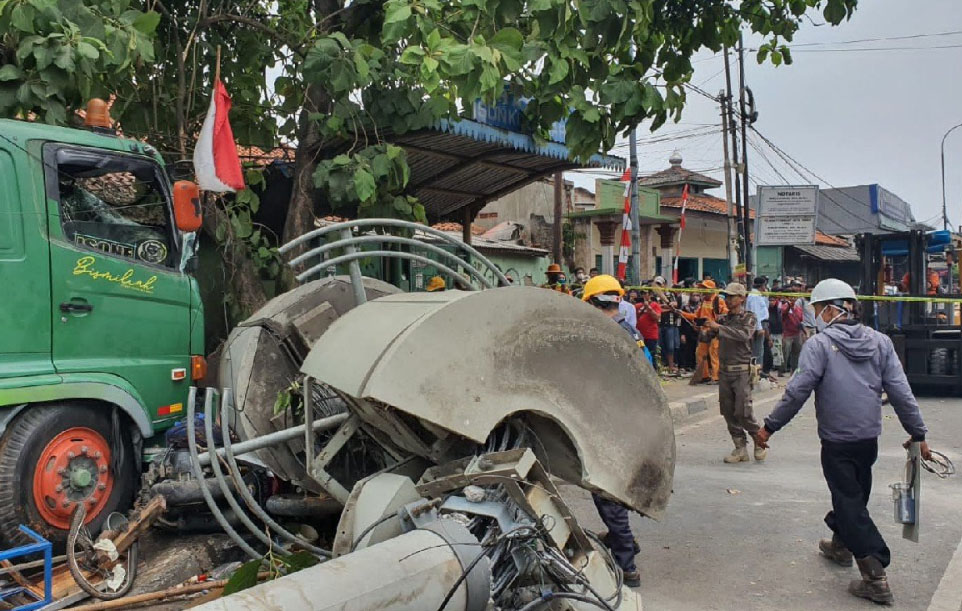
(744, 536)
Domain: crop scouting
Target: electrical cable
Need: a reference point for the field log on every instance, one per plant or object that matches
(939, 465)
(463, 576)
(879, 39)
(795, 164)
(933, 47)
(371, 527)
(549, 596)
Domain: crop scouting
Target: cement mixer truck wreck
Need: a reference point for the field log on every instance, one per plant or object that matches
(433, 427)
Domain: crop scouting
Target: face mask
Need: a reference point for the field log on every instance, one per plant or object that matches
(821, 325)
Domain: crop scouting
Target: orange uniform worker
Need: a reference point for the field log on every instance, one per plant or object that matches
(710, 309)
(932, 282)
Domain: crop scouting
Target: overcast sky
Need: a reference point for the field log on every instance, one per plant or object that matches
(850, 116)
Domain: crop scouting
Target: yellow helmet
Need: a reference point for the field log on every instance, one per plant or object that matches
(601, 284)
(436, 284)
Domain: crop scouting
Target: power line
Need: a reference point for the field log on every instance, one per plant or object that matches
(928, 48)
(792, 162)
(878, 39)
(701, 91)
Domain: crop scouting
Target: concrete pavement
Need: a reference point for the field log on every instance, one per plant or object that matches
(744, 536)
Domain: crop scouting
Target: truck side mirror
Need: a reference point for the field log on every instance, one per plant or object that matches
(187, 213)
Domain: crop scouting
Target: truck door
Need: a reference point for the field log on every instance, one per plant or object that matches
(25, 339)
(120, 304)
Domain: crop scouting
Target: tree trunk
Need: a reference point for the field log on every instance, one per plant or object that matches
(243, 281)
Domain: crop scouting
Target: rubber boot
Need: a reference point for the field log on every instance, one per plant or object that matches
(873, 585)
(835, 550)
(739, 454)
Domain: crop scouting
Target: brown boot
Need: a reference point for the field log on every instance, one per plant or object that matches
(874, 585)
(739, 454)
(835, 550)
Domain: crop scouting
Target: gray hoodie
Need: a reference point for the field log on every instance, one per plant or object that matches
(848, 366)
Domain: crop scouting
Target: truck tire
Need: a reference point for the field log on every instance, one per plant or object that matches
(54, 457)
(940, 362)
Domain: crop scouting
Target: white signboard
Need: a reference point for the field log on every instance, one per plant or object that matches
(786, 231)
(786, 215)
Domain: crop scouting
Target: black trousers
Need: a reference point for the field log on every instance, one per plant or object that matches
(848, 471)
(619, 539)
(768, 360)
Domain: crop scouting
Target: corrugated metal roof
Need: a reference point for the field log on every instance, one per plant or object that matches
(464, 163)
(829, 253)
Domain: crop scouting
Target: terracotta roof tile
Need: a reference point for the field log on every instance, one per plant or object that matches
(701, 202)
(475, 229)
(260, 157)
(830, 240)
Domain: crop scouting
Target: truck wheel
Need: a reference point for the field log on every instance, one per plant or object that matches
(940, 362)
(52, 458)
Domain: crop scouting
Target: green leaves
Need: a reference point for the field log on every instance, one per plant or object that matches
(509, 42)
(10, 73)
(364, 185)
(68, 51)
(396, 15)
(146, 23)
(243, 578)
(371, 180)
(835, 11)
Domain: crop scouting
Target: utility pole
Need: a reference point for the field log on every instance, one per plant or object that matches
(559, 190)
(634, 274)
(723, 100)
(746, 224)
(735, 165)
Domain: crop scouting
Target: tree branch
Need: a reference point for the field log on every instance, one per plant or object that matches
(252, 23)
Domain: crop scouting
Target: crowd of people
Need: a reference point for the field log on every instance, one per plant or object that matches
(673, 321)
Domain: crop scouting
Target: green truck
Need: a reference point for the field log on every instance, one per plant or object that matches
(102, 330)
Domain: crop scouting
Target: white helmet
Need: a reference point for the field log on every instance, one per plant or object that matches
(832, 289)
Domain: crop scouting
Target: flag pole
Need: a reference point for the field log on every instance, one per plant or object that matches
(681, 227)
(217, 65)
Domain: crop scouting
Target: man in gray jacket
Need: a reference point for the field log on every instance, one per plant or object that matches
(848, 366)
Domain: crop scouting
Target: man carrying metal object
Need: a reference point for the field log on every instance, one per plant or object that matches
(848, 366)
(734, 332)
(604, 292)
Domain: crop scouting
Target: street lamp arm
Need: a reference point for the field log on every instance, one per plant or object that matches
(951, 129)
(945, 216)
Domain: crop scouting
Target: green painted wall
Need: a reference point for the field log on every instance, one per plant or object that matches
(769, 261)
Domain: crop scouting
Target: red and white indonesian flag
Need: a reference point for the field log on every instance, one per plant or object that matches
(625, 251)
(216, 164)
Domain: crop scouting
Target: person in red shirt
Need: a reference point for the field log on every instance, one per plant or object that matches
(649, 315)
(792, 338)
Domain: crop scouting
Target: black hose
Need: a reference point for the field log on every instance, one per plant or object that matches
(76, 523)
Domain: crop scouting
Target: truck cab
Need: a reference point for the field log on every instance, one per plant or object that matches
(102, 324)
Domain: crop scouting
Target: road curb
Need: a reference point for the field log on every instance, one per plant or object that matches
(686, 408)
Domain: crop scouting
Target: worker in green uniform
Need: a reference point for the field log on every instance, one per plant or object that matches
(735, 331)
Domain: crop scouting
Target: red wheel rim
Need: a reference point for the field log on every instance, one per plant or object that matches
(73, 468)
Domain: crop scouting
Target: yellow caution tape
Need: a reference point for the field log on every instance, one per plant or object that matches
(904, 298)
